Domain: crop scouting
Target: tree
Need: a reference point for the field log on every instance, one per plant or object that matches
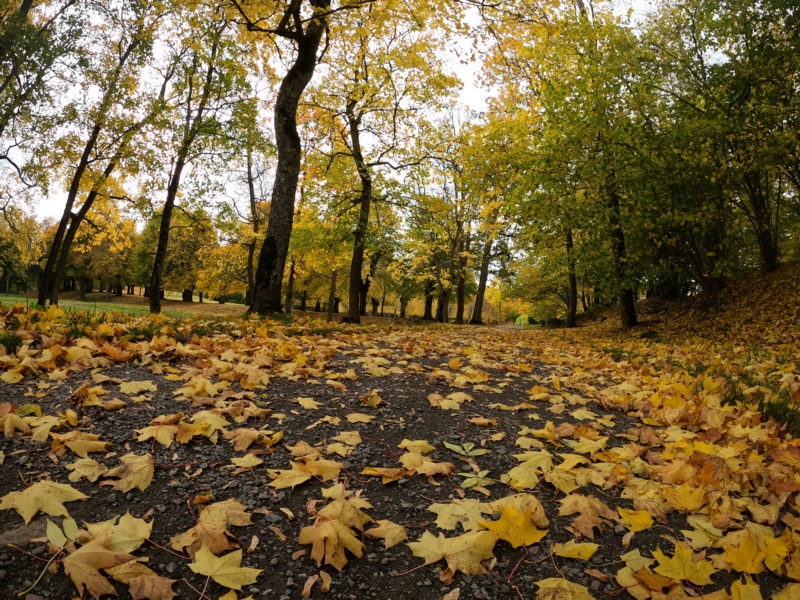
(102, 133)
(210, 80)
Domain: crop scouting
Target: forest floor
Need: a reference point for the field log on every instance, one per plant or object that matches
(494, 463)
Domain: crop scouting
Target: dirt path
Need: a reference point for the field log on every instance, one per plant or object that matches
(534, 390)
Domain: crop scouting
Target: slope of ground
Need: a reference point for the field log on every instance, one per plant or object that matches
(389, 462)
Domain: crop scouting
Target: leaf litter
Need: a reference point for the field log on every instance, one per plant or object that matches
(579, 472)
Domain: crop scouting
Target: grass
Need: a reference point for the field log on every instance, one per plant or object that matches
(96, 307)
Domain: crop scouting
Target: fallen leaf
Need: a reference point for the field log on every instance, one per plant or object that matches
(225, 570)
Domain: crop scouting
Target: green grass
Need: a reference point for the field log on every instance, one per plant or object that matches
(96, 307)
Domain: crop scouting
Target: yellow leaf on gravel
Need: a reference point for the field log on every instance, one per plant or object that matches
(635, 561)
(359, 418)
(247, 462)
(557, 588)
(388, 475)
(351, 438)
(309, 403)
(86, 468)
(483, 421)
(681, 567)
(523, 503)
(515, 527)
(152, 586)
(11, 423)
(463, 553)
(572, 549)
(111, 405)
(125, 536)
(137, 387)
(211, 529)
(391, 533)
(635, 520)
(468, 512)
(419, 446)
(330, 539)
(45, 496)
(225, 570)
(134, 472)
(84, 564)
(285, 478)
(11, 377)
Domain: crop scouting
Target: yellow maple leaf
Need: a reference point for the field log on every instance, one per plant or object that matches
(134, 472)
(556, 588)
(747, 557)
(84, 564)
(463, 553)
(682, 567)
(329, 539)
(515, 527)
(45, 496)
(391, 533)
(573, 549)
(225, 570)
(635, 520)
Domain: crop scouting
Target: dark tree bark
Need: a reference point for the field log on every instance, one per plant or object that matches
(186, 295)
(332, 296)
(626, 296)
(572, 299)
(375, 304)
(303, 305)
(251, 247)
(428, 314)
(358, 295)
(318, 306)
(483, 277)
(272, 258)
(442, 307)
(463, 249)
(290, 289)
(403, 304)
(336, 302)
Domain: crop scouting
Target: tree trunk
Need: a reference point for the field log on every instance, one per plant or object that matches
(186, 295)
(486, 257)
(251, 247)
(318, 306)
(442, 312)
(572, 304)
(383, 302)
(357, 295)
(163, 237)
(375, 304)
(428, 314)
(336, 302)
(272, 258)
(403, 305)
(290, 288)
(194, 121)
(626, 297)
(332, 296)
(462, 278)
(303, 305)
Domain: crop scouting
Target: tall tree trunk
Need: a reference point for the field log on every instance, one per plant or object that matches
(375, 304)
(572, 304)
(194, 120)
(442, 307)
(357, 297)
(187, 295)
(332, 296)
(626, 297)
(251, 247)
(462, 277)
(428, 314)
(272, 258)
(486, 258)
(163, 237)
(403, 305)
(303, 305)
(290, 288)
(383, 302)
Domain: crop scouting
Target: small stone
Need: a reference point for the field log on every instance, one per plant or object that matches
(595, 585)
(23, 460)
(161, 508)
(384, 561)
(171, 568)
(273, 562)
(112, 497)
(290, 582)
(620, 529)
